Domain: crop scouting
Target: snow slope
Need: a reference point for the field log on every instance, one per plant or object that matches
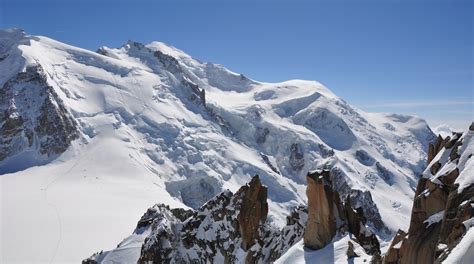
(148, 135)
(334, 252)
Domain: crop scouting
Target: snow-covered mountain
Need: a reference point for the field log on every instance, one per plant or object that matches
(90, 140)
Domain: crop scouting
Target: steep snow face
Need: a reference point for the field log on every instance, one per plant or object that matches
(152, 120)
(335, 252)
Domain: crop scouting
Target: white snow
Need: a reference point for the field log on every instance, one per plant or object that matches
(466, 162)
(443, 131)
(463, 253)
(434, 218)
(335, 252)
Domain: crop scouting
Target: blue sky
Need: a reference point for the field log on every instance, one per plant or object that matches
(413, 57)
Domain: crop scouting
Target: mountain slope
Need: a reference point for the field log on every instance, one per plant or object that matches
(154, 124)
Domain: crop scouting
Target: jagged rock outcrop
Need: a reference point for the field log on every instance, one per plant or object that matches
(350, 250)
(321, 225)
(356, 222)
(230, 228)
(253, 211)
(393, 252)
(443, 204)
(327, 214)
(233, 228)
(33, 117)
(359, 198)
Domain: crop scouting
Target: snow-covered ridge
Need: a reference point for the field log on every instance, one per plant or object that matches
(157, 125)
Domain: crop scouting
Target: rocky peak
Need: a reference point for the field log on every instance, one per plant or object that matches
(321, 225)
(253, 210)
(356, 222)
(327, 215)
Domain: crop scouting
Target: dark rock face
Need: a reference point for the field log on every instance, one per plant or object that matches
(356, 222)
(350, 250)
(439, 209)
(296, 157)
(33, 116)
(327, 214)
(362, 199)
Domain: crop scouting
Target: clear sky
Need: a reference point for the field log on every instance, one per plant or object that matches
(412, 57)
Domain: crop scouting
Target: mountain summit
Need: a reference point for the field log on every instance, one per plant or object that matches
(89, 140)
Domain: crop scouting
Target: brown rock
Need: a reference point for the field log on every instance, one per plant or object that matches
(450, 177)
(432, 243)
(321, 224)
(435, 168)
(393, 253)
(253, 210)
(431, 153)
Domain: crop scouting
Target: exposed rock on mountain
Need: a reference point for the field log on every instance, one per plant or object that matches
(393, 252)
(357, 226)
(327, 214)
(33, 117)
(233, 228)
(359, 199)
(321, 225)
(253, 211)
(350, 251)
(443, 208)
(230, 228)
